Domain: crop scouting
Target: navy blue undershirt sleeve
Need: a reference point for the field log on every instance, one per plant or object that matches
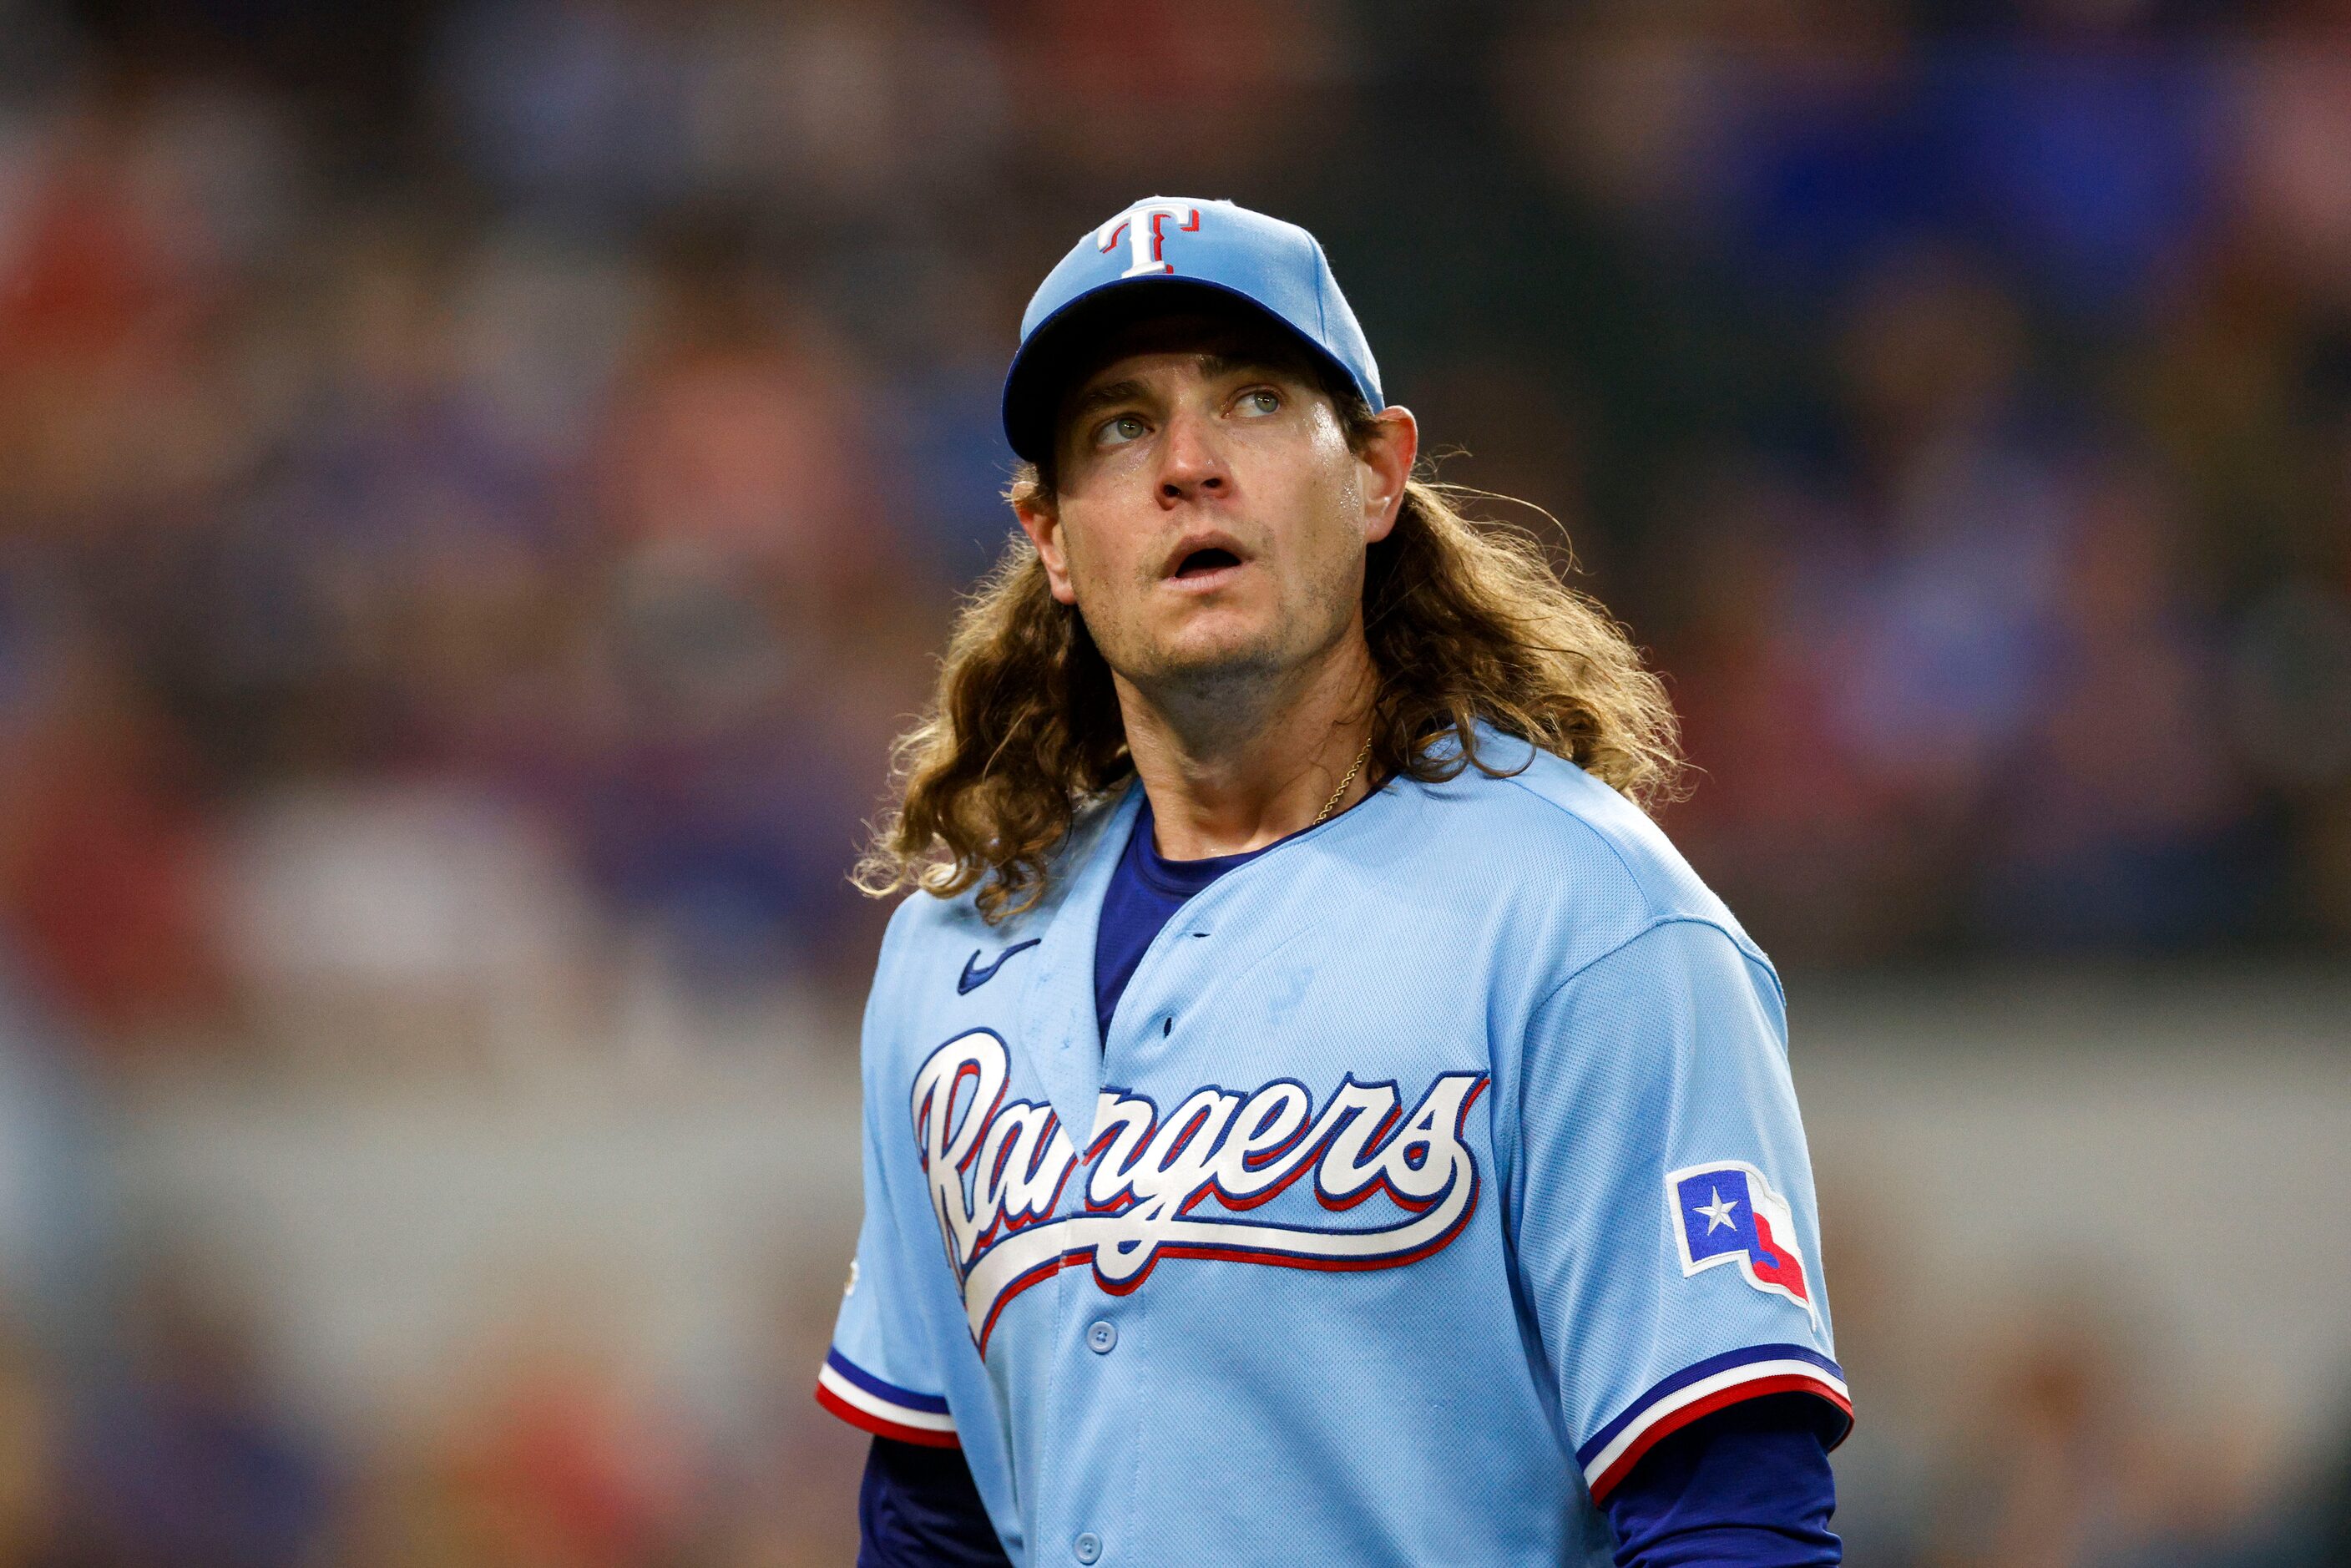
(1747, 1487)
(1144, 892)
(918, 1509)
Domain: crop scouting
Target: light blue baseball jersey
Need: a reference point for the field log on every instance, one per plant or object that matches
(1437, 1162)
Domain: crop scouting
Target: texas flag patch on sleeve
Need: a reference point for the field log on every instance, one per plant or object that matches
(1727, 1213)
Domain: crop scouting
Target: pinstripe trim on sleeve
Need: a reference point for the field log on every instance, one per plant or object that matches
(1700, 1390)
(884, 1410)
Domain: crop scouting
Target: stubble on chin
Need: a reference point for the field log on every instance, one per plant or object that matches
(1177, 667)
(1227, 666)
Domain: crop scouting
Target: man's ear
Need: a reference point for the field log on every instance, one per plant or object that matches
(1387, 457)
(1042, 521)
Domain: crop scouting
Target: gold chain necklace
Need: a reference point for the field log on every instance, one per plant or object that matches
(1353, 768)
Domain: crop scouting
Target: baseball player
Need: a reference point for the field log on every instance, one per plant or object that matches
(1311, 1114)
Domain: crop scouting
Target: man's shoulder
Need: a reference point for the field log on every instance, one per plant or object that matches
(1562, 848)
(938, 951)
(925, 924)
(922, 918)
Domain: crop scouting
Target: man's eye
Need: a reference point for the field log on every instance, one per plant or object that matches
(1260, 401)
(1127, 427)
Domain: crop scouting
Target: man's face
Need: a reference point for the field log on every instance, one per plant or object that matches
(1210, 519)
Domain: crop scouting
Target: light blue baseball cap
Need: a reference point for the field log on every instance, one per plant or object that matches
(1179, 248)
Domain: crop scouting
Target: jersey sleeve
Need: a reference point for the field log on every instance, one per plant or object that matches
(1662, 1210)
(882, 1372)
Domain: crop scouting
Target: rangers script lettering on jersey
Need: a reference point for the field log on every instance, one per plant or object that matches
(996, 1177)
(1435, 1165)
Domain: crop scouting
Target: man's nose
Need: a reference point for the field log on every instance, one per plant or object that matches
(1192, 465)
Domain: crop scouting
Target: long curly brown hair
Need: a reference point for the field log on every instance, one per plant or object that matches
(1465, 620)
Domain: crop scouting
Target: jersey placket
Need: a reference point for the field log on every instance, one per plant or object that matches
(1102, 1340)
(1083, 1494)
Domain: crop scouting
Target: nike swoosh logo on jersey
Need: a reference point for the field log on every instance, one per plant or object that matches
(972, 979)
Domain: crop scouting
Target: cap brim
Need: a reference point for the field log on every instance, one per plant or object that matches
(1062, 344)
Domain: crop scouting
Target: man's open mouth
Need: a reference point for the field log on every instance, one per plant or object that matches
(1201, 563)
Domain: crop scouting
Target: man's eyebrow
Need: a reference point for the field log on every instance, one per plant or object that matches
(1216, 365)
(1098, 397)
(1212, 366)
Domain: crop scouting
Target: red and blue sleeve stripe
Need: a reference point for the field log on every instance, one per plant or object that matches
(883, 1408)
(1700, 1389)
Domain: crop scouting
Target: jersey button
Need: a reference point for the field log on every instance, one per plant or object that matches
(1087, 1547)
(1102, 1338)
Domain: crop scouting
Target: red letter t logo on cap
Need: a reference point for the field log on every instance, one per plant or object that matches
(1142, 222)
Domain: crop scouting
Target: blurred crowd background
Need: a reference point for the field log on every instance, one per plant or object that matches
(481, 482)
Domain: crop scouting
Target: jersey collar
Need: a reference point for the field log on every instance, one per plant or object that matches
(1057, 1031)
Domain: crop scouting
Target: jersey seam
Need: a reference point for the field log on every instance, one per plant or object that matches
(1518, 782)
(1656, 924)
(1745, 947)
